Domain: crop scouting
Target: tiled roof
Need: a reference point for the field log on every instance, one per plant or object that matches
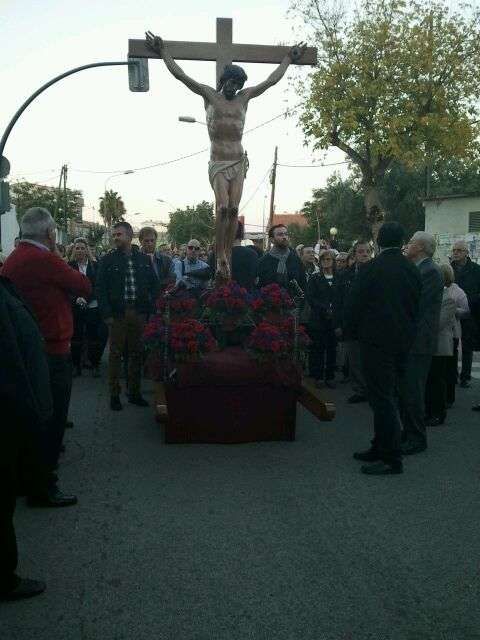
(290, 218)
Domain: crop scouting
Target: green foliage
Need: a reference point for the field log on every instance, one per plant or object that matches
(339, 204)
(95, 235)
(397, 81)
(193, 222)
(112, 208)
(29, 194)
(302, 235)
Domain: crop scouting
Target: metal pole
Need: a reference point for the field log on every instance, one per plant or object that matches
(273, 180)
(17, 115)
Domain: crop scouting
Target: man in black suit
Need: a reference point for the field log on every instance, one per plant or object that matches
(26, 404)
(382, 310)
(161, 263)
(420, 250)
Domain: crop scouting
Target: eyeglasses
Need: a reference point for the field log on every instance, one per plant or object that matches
(194, 248)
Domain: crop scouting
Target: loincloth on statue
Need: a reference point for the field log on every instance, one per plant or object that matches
(230, 169)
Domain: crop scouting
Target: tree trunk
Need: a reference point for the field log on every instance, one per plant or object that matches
(374, 208)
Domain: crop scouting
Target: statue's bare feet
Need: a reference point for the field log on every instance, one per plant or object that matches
(222, 275)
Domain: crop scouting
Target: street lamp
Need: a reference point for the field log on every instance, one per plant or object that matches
(114, 175)
(191, 120)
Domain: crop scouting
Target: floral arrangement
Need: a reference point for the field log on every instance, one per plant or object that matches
(273, 341)
(228, 305)
(272, 301)
(154, 333)
(182, 304)
(190, 339)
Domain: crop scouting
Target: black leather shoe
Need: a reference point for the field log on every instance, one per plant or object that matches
(54, 498)
(330, 384)
(24, 588)
(369, 455)
(382, 469)
(356, 399)
(138, 400)
(465, 384)
(410, 448)
(476, 407)
(69, 424)
(435, 422)
(115, 404)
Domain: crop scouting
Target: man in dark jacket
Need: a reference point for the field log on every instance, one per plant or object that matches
(467, 276)
(362, 251)
(26, 404)
(420, 250)
(127, 289)
(161, 263)
(382, 310)
(281, 264)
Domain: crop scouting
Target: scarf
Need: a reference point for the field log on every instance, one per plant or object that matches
(282, 257)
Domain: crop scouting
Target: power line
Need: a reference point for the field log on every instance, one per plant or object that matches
(185, 157)
(255, 192)
(309, 166)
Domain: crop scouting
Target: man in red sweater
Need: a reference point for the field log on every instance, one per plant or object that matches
(47, 285)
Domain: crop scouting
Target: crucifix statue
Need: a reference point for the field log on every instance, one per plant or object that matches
(226, 107)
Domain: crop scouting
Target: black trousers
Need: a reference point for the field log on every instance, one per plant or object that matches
(323, 352)
(60, 368)
(452, 373)
(412, 398)
(8, 541)
(383, 372)
(89, 329)
(436, 388)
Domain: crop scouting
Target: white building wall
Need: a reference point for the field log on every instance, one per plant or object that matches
(447, 219)
(10, 230)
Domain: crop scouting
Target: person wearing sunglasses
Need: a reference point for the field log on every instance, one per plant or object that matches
(191, 272)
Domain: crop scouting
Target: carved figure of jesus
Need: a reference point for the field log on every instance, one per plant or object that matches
(225, 108)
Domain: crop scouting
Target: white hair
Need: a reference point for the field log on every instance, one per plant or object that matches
(461, 244)
(36, 222)
(427, 241)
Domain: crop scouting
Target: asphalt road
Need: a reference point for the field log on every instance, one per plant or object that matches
(282, 541)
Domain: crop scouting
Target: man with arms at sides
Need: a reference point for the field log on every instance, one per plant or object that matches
(467, 276)
(280, 264)
(307, 256)
(382, 310)
(226, 109)
(127, 289)
(362, 251)
(161, 263)
(420, 250)
(47, 284)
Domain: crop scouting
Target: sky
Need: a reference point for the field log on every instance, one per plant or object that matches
(94, 124)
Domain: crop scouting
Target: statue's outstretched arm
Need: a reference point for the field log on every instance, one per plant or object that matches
(156, 44)
(293, 55)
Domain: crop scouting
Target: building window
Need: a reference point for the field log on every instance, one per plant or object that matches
(474, 222)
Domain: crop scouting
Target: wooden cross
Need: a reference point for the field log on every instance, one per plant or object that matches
(223, 51)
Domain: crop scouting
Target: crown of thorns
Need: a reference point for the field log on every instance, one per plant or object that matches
(232, 71)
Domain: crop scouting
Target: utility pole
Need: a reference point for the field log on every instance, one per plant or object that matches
(62, 221)
(273, 177)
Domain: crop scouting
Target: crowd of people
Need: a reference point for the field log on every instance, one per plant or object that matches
(390, 322)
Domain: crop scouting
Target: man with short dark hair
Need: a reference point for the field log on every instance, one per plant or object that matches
(162, 263)
(362, 252)
(382, 310)
(280, 265)
(127, 289)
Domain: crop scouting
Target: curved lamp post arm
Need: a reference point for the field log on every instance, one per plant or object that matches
(12, 122)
